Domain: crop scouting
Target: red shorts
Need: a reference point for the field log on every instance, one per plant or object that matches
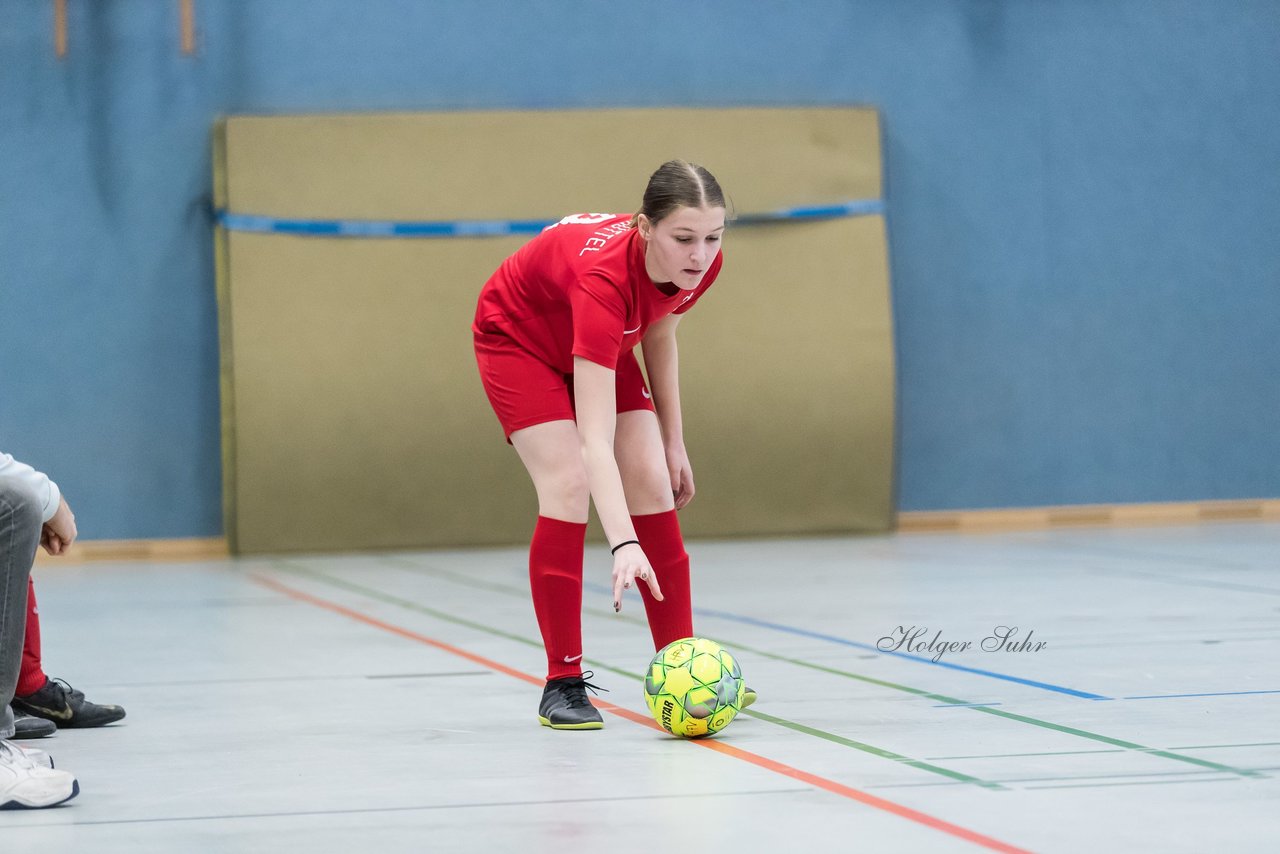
(524, 390)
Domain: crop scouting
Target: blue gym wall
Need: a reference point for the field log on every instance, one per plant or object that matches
(1083, 195)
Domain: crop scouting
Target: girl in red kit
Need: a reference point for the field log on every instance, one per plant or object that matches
(555, 331)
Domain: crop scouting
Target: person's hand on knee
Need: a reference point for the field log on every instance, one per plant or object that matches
(59, 532)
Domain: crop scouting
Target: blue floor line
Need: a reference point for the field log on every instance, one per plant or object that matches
(1207, 694)
(1058, 689)
(752, 621)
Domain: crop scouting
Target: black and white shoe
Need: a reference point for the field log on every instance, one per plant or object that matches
(29, 726)
(66, 707)
(565, 704)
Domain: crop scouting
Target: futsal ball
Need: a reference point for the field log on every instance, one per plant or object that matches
(693, 687)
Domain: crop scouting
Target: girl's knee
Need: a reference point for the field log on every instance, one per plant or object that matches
(566, 494)
(648, 489)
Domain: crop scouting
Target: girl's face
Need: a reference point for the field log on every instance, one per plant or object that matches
(682, 245)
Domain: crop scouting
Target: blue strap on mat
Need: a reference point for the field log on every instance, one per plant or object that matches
(494, 227)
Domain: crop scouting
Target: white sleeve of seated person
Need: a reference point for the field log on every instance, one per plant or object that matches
(39, 483)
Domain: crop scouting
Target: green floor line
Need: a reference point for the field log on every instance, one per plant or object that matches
(987, 710)
(1020, 755)
(408, 604)
(1219, 746)
(1089, 752)
(1066, 730)
(1138, 783)
(876, 751)
(1199, 774)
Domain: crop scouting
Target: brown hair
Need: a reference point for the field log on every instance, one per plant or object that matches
(677, 184)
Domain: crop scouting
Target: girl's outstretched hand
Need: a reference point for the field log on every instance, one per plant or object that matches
(630, 565)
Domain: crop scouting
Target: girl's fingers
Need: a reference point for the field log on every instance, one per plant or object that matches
(653, 586)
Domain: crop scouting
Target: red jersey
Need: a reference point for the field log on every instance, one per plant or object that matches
(580, 288)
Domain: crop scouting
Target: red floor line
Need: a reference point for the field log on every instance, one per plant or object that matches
(710, 744)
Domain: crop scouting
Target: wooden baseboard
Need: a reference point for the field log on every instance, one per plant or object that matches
(197, 548)
(1084, 515)
(916, 521)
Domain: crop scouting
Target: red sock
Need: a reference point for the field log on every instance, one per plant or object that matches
(555, 577)
(31, 677)
(672, 618)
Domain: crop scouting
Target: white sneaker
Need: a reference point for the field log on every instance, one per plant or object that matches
(35, 754)
(27, 782)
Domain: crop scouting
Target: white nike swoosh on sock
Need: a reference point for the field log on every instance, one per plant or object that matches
(568, 660)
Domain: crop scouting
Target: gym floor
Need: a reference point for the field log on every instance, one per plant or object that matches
(388, 702)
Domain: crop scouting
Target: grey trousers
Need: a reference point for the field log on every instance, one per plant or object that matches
(20, 528)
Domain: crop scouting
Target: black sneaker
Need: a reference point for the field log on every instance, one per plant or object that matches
(66, 707)
(26, 726)
(565, 704)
